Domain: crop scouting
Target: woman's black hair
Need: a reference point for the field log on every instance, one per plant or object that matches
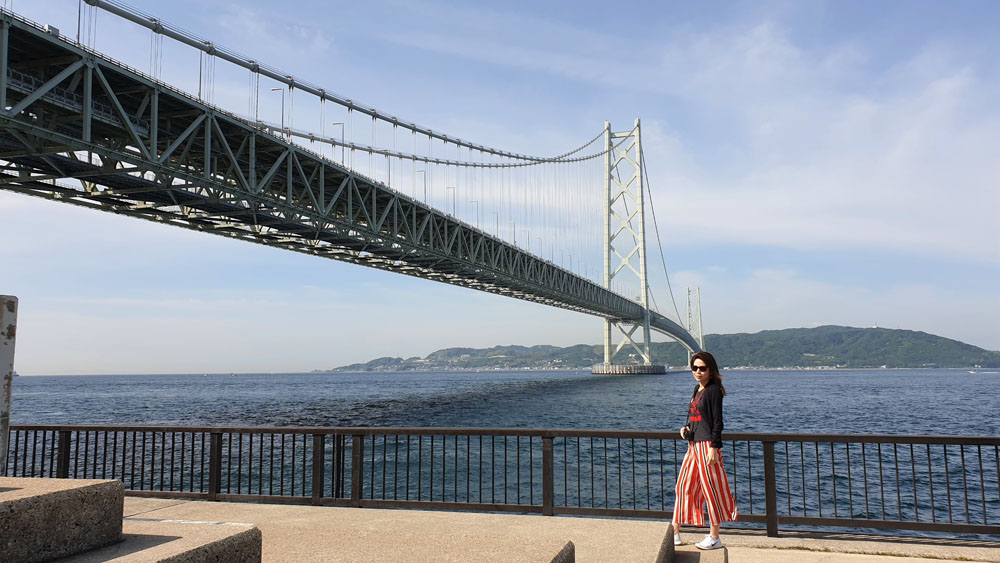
(713, 369)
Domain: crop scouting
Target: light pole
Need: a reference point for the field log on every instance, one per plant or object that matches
(282, 90)
(8, 320)
(454, 200)
(424, 172)
(341, 139)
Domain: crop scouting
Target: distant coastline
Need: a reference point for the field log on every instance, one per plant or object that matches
(825, 347)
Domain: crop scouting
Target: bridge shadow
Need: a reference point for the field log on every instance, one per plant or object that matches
(552, 402)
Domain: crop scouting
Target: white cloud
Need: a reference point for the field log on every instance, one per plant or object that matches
(813, 148)
(272, 36)
(907, 172)
(752, 139)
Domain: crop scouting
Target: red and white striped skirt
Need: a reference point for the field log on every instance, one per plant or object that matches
(698, 485)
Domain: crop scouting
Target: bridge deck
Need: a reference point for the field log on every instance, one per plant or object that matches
(88, 130)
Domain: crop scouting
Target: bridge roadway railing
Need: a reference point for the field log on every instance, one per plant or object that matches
(84, 129)
(888, 482)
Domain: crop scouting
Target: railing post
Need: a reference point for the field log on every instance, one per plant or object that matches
(356, 457)
(770, 491)
(8, 331)
(62, 456)
(338, 465)
(215, 465)
(548, 475)
(317, 484)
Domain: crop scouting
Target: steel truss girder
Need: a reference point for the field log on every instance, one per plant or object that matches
(134, 146)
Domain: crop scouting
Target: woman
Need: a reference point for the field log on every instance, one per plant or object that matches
(702, 476)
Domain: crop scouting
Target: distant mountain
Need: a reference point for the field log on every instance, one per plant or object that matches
(847, 347)
(830, 346)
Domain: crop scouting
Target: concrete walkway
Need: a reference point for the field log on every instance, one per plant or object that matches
(327, 534)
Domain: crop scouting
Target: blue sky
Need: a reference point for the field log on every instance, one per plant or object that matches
(811, 163)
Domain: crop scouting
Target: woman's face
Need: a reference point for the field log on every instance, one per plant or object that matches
(700, 371)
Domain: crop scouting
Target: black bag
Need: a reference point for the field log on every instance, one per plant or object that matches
(688, 433)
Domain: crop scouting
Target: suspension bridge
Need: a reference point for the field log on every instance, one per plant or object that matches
(569, 231)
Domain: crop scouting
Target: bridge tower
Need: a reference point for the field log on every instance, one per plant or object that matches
(625, 248)
(693, 324)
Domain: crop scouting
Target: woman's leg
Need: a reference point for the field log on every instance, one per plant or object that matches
(688, 492)
(715, 490)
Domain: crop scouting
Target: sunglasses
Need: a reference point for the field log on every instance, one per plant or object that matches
(699, 368)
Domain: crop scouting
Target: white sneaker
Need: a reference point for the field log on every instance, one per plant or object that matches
(709, 543)
(677, 539)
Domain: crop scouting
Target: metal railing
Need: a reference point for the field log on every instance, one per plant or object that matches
(923, 483)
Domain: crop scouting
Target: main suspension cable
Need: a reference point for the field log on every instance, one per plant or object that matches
(136, 16)
(656, 228)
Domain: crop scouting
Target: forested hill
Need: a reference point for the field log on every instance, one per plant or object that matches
(833, 346)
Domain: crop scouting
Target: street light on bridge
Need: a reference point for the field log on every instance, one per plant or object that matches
(282, 90)
(341, 123)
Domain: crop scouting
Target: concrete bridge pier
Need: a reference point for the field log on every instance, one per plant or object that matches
(628, 369)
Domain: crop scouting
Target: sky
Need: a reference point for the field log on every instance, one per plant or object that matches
(810, 163)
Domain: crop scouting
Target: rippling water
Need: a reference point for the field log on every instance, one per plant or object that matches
(841, 401)
(937, 402)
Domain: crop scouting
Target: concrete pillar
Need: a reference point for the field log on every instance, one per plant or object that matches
(8, 331)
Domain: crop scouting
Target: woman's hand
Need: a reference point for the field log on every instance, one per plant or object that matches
(713, 456)
(683, 428)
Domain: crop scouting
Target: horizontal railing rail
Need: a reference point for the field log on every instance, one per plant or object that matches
(891, 482)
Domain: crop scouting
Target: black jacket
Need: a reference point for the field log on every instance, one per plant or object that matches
(705, 415)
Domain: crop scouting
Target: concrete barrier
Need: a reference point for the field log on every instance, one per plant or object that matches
(179, 541)
(566, 555)
(42, 519)
(666, 554)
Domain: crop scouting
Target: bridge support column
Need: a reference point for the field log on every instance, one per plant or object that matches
(625, 246)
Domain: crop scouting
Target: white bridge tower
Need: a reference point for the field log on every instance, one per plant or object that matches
(625, 248)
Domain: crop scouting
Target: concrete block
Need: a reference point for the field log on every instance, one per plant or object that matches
(566, 555)
(666, 554)
(42, 519)
(179, 541)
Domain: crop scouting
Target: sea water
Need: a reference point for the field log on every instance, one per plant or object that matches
(905, 401)
(921, 402)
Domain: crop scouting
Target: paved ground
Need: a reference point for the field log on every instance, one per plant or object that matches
(754, 546)
(326, 534)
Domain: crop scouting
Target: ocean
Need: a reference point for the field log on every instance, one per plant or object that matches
(947, 402)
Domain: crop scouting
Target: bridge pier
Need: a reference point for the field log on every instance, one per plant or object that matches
(628, 369)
